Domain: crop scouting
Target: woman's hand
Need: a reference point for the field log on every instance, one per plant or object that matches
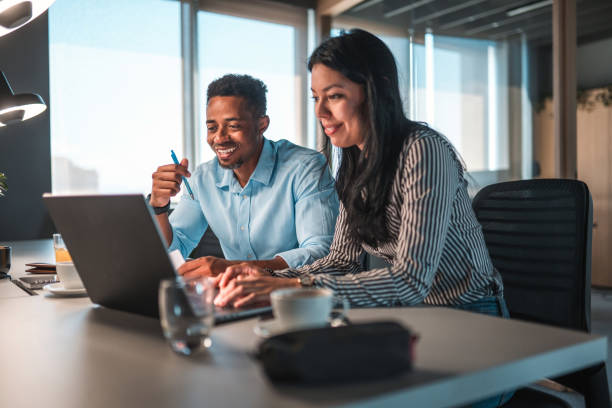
(243, 285)
(204, 266)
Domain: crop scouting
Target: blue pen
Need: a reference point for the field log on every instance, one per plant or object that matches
(175, 159)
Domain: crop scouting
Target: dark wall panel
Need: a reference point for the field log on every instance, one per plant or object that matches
(25, 151)
(593, 62)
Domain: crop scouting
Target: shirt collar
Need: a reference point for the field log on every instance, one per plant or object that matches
(265, 165)
(263, 170)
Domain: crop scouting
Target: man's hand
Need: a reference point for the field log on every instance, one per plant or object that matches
(204, 266)
(243, 285)
(167, 182)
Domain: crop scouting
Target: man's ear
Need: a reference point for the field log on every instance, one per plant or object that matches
(263, 124)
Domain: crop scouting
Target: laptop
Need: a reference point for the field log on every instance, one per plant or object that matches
(119, 252)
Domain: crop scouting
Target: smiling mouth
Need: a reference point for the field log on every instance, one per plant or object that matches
(330, 130)
(225, 152)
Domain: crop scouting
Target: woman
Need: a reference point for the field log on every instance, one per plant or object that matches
(402, 195)
(403, 198)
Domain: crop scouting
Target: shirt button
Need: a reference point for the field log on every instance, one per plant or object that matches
(249, 256)
(242, 228)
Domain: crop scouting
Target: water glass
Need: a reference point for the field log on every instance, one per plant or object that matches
(186, 313)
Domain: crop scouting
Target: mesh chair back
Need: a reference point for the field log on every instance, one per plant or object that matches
(538, 233)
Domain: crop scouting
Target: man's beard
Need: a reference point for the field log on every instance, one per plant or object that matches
(232, 166)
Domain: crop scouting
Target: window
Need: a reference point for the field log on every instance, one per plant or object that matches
(459, 87)
(271, 46)
(115, 93)
(468, 99)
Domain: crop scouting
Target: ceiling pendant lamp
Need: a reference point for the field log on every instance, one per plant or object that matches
(17, 108)
(16, 13)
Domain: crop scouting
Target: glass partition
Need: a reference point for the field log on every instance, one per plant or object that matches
(468, 69)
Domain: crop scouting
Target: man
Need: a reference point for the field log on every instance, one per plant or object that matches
(271, 204)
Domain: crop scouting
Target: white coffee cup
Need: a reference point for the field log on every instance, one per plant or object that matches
(297, 308)
(68, 275)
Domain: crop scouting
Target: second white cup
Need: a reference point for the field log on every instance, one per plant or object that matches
(68, 275)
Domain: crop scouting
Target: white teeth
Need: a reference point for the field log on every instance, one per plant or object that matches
(226, 151)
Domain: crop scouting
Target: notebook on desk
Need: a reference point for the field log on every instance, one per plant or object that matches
(119, 251)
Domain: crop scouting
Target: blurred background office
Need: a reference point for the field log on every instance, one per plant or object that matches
(125, 82)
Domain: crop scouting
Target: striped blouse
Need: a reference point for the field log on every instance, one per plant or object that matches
(437, 250)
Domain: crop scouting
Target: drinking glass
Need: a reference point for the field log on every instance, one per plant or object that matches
(61, 252)
(187, 313)
(339, 314)
(5, 261)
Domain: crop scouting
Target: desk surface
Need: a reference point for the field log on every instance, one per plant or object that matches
(66, 352)
(23, 252)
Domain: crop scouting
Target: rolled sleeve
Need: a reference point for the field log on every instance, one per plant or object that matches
(297, 257)
(316, 210)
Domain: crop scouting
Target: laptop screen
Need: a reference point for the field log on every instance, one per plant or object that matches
(119, 252)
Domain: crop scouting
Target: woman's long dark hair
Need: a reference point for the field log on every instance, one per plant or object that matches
(365, 176)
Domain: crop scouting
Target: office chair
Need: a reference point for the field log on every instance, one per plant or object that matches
(538, 233)
(208, 245)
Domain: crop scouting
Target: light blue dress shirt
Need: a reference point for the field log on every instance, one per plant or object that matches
(288, 208)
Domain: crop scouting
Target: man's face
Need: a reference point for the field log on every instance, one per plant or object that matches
(232, 131)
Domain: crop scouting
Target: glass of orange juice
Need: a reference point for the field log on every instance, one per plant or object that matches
(61, 252)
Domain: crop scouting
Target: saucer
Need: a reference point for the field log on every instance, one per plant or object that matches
(267, 328)
(58, 289)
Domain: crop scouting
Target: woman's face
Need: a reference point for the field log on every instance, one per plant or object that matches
(338, 106)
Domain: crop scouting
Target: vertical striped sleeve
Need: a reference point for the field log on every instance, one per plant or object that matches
(428, 183)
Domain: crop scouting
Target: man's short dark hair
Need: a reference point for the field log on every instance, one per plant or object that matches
(251, 89)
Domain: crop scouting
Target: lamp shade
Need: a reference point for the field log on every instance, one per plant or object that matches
(17, 108)
(15, 13)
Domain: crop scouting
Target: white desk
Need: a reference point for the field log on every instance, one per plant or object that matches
(63, 352)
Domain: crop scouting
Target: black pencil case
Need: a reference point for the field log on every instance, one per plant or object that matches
(356, 352)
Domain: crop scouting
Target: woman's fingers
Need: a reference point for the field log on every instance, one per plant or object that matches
(217, 279)
(227, 295)
(245, 300)
(245, 290)
(234, 271)
(240, 287)
(227, 276)
(259, 297)
(219, 299)
(245, 284)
